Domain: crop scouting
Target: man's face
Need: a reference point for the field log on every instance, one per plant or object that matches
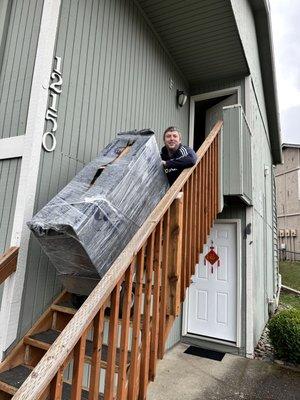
(172, 140)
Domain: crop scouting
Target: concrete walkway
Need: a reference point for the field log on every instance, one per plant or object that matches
(185, 377)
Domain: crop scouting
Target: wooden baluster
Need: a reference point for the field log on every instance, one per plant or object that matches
(206, 196)
(164, 285)
(199, 215)
(202, 205)
(145, 355)
(217, 173)
(196, 202)
(190, 234)
(184, 240)
(195, 205)
(156, 300)
(135, 352)
(96, 356)
(214, 179)
(112, 342)
(78, 366)
(57, 385)
(211, 188)
(175, 259)
(122, 375)
(186, 235)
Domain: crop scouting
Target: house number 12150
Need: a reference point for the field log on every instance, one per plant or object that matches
(51, 114)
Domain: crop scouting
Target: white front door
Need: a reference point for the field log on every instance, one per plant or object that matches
(212, 297)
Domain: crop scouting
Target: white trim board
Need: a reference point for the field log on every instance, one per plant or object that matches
(13, 289)
(249, 286)
(11, 147)
(237, 222)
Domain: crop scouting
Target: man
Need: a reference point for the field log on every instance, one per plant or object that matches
(175, 156)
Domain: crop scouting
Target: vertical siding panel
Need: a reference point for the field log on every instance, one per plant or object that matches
(95, 84)
(119, 90)
(17, 67)
(7, 74)
(11, 100)
(9, 181)
(88, 83)
(115, 83)
(82, 89)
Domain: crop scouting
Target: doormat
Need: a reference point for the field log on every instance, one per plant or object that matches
(212, 354)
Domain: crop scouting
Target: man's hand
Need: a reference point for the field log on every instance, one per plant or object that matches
(163, 163)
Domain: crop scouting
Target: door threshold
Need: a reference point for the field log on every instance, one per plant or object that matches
(211, 340)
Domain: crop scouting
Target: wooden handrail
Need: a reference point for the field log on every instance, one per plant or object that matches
(8, 263)
(147, 256)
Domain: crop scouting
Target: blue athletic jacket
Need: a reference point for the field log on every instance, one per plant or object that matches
(184, 157)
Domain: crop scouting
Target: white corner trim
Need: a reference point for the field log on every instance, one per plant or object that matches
(12, 294)
(249, 286)
(248, 96)
(11, 147)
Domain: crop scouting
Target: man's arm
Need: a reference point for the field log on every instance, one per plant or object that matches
(187, 159)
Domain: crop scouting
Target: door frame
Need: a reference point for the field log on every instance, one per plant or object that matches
(205, 96)
(184, 332)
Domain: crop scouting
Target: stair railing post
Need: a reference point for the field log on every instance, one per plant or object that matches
(175, 254)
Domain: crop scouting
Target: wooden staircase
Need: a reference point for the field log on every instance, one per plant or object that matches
(112, 343)
(20, 363)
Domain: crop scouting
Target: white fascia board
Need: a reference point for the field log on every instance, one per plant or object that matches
(11, 147)
(13, 289)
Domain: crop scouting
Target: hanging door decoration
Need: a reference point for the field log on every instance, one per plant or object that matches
(212, 257)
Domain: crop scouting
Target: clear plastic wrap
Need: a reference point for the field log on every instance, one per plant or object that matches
(86, 226)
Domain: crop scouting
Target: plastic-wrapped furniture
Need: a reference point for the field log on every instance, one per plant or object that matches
(86, 226)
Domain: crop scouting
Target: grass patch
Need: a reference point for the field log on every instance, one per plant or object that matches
(290, 273)
(290, 299)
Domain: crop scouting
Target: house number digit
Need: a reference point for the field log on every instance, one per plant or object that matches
(56, 86)
(52, 137)
(51, 114)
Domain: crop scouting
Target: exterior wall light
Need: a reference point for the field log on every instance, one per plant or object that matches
(181, 98)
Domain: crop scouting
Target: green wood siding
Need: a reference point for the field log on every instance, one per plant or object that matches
(237, 166)
(263, 204)
(263, 223)
(115, 77)
(17, 65)
(9, 180)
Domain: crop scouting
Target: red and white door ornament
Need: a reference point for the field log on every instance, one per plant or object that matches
(212, 257)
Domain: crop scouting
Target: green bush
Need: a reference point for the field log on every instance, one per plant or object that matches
(285, 335)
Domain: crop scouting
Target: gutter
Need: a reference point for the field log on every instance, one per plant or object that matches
(261, 13)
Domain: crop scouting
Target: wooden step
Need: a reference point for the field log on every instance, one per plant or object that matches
(43, 340)
(11, 381)
(64, 309)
